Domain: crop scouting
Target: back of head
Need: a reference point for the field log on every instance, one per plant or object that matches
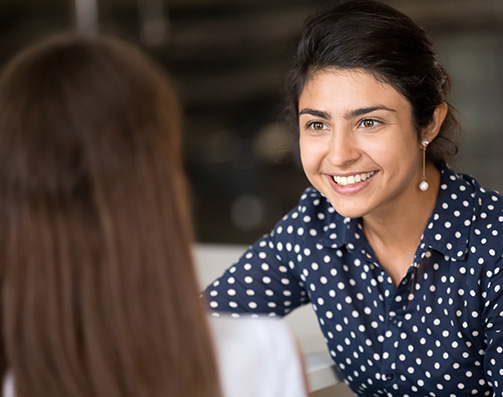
(99, 296)
(375, 38)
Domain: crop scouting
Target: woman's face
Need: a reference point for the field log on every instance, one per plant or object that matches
(358, 145)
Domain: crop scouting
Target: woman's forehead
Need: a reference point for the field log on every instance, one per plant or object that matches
(349, 88)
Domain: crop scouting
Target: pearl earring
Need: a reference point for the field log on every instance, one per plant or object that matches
(423, 186)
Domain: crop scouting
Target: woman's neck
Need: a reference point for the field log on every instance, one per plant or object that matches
(395, 234)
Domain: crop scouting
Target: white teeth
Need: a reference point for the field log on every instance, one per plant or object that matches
(351, 180)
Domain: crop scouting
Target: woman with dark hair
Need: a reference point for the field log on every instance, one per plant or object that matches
(399, 256)
(98, 293)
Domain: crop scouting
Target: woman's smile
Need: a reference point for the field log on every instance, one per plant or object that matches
(353, 179)
(350, 184)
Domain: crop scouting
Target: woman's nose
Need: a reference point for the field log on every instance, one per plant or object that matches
(343, 149)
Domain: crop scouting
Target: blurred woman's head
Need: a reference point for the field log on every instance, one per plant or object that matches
(372, 37)
(99, 296)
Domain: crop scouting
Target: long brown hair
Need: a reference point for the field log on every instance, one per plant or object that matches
(98, 292)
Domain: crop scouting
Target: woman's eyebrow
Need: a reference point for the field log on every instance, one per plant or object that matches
(349, 115)
(361, 111)
(316, 113)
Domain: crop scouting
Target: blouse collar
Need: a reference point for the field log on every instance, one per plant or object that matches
(453, 214)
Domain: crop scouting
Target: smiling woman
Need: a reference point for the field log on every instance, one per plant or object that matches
(366, 159)
(400, 256)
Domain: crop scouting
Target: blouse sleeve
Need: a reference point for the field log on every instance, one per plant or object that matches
(266, 279)
(493, 357)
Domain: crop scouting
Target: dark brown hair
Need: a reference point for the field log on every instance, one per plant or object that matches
(99, 295)
(378, 39)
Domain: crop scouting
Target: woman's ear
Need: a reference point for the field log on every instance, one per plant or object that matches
(431, 131)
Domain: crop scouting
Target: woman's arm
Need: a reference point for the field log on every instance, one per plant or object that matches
(493, 315)
(267, 278)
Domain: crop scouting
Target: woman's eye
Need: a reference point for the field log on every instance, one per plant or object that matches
(316, 126)
(369, 123)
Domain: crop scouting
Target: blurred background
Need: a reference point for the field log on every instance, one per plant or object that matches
(228, 59)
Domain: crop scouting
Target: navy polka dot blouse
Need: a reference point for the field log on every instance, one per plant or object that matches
(439, 333)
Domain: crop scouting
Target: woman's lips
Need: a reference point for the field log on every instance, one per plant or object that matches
(352, 183)
(352, 179)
